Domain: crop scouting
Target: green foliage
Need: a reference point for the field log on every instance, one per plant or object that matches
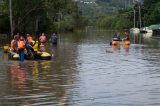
(152, 16)
(4, 19)
(4, 23)
(149, 3)
(26, 13)
(123, 23)
(122, 20)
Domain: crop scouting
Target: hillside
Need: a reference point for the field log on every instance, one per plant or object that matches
(92, 8)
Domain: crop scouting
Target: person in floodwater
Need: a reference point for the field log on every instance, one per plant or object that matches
(116, 37)
(127, 38)
(28, 42)
(35, 45)
(21, 47)
(54, 39)
(42, 38)
(14, 43)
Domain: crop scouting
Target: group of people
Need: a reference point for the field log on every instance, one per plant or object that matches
(116, 37)
(19, 43)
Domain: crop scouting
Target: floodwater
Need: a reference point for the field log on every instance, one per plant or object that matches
(85, 71)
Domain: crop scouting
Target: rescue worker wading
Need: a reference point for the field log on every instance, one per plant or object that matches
(21, 47)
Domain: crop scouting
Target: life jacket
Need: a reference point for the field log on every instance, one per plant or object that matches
(35, 45)
(42, 39)
(21, 44)
(29, 40)
(14, 44)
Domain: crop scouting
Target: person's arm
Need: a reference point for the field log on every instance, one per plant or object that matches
(11, 44)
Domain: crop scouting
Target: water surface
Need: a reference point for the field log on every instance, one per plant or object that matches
(85, 71)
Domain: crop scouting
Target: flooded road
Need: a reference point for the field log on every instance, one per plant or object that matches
(85, 71)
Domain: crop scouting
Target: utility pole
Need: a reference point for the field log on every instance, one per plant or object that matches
(140, 21)
(134, 18)
(59, 20)
(10, 8)
(129, 3)
(125, 4)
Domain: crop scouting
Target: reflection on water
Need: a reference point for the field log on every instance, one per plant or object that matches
(18, 76)
(85, 71)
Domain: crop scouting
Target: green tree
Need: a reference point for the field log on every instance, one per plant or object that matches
(152, 14)
(46, 14)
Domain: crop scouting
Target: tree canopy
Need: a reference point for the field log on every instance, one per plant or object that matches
(40, 15)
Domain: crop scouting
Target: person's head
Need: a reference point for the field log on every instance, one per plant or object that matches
(43, 34)
(21, 38)
(16, 37)
(126, 33)
(27, 35)
(115, 34)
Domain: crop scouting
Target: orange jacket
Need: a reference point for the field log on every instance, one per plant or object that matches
(29, 39)
(21, 44)
(12, 44)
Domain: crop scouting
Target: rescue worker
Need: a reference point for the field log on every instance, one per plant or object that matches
(35, 45)
(29, 38)
(28, 42)
(14, 43)
(21, 47)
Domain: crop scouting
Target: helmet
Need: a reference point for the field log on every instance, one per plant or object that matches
(21, 38)
(15, 36)
(27, 34)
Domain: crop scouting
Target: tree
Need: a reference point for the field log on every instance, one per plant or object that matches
(41, 15)
(152, 15)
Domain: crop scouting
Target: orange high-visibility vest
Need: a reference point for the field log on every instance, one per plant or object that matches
(13, 46)
(21, 44)
(29, 39)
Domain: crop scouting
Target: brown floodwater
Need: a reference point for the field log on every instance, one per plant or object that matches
(84, 71)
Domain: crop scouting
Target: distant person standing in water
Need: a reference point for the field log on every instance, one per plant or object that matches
(127, 38)
(54, 39)
(116, 37)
